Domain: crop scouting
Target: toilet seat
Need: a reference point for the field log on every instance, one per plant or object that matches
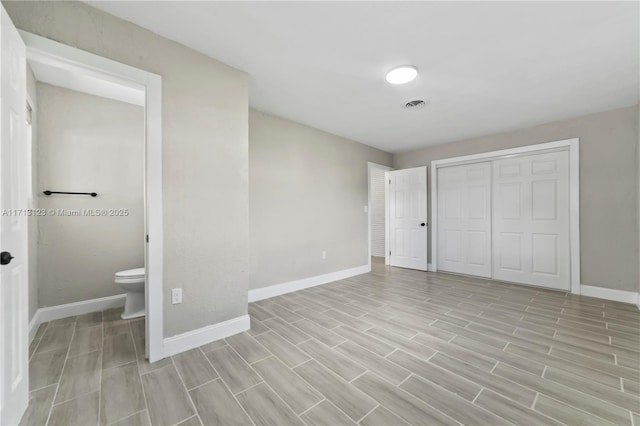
(130, 276)
(131, 273)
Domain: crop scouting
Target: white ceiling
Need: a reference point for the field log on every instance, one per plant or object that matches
(485, 67)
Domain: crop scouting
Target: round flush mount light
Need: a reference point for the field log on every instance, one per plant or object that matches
(402, 75)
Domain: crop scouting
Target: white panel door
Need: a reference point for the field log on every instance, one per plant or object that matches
(14, 168)
(531, 220)
(408, 218)
(464, 219)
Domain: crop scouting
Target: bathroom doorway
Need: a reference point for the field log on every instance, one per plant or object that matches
(131, 202)
(376, 211)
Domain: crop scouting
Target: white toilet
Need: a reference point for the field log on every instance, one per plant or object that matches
(132, 281)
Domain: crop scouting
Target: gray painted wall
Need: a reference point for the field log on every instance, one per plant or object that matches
(88, 143)
(32, 221)
(205, 156)
(608, 186)
(307, 193)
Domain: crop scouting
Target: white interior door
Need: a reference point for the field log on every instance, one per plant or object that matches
(408, 218)
(464, 219)
(14, 166)
(531, 220)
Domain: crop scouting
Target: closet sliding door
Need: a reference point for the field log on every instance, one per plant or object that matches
(531, 220)
(464, 219)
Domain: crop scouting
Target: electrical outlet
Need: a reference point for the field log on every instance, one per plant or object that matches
(324, 254)
(366, 209)
(176, 296)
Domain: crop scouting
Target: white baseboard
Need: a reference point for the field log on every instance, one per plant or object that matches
(33, 325)
(288, 287)
(610, 294)
(194, 338)
(52, 313)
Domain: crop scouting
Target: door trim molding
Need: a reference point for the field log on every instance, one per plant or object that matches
(41, 49)
(572, 145)
(371, 165)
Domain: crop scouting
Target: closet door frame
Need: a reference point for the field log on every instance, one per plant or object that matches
(570, 145)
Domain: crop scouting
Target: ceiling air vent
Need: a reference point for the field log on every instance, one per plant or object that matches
(417, 104)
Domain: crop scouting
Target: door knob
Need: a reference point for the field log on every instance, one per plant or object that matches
(423, 224)
(5, 258)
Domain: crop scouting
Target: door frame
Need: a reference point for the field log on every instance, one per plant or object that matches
(571, 145)
(40, 49)
(372, 165)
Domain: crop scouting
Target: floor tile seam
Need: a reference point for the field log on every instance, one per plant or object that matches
(116, 366)
(226, 386)
(567, 387)
(266, 383)
(250, 387)
(313, 337)
(341, 378)
(487, 389)
(615, 356)
(215, 349)
(591, 367)
(184, 420)
(262, 359)
(186, 390)
(97, 389)
(127, 416)
(84, 353)
(473, 401)
(101, 370)
(280, 359)
(572, 406)
(370, 411)
(313, 406)
(356, 377)
(36, 348)
(348, 357)
(507, 342)
(140, 374)
(575, 333)
(66, 358)
(594, 383)
(414, 396)
(465, 379)
(436, 351)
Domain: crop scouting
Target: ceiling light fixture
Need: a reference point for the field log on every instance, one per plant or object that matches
(402, 75)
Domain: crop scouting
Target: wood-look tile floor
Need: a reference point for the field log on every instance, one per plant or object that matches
(392, 347)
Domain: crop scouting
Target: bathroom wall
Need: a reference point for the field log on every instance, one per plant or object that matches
(205, 156)
(32, 221)
(608, 186)
(88, 144)
(308, 189)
